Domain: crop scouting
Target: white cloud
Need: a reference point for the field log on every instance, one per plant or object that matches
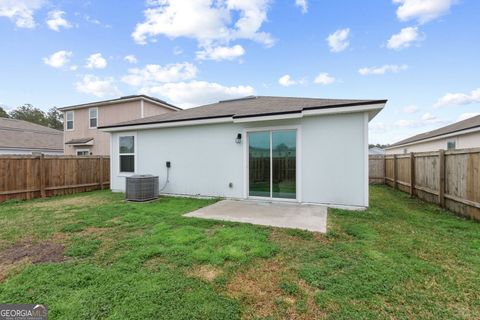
(58, 59)
(404, 38)
(425, 119)
(130, 59)
(458, 99)
(324, 79)
(96, 61)
(221, 53)
(195, 93)
(96, 86)
(153, 74)
(422, 10)
(209, 22)
(465, 116)
(410, 109)
(21, 11)
(382, 70)
(55, 20)
(286, 81)
(338, 41)
(302, 4)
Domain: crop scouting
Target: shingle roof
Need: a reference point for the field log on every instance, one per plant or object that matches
(252, 106)
(469, 123)
(121, 99)
(26, 135)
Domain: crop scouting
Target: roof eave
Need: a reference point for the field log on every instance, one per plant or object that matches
(372, 108)
(441, 136)
(120, 100)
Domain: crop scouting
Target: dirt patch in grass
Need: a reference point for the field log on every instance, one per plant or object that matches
(259, 290)
(61, 202)
(204, 272)
(27, 252)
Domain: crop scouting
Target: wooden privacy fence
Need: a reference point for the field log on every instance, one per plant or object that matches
(449, 178)
(27, 177)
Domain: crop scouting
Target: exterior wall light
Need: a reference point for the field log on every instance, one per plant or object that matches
(238, 139)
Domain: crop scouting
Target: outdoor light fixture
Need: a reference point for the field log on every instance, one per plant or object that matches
(239, 138)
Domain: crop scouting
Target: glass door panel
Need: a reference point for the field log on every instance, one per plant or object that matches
(259, 163)
(284, 177)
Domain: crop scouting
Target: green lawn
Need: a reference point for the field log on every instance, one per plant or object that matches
(401, 259)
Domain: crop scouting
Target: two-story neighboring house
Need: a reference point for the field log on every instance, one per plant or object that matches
(81, 121)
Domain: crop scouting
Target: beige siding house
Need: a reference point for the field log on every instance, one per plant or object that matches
(81, 136)
(459, 135)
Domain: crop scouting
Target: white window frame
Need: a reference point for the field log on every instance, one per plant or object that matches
(246, 167)
(90, 117)
(66, 120)
(82, 150)
(134, 154)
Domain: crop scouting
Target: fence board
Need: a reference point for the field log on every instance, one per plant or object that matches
(27, 177)
(450, 178)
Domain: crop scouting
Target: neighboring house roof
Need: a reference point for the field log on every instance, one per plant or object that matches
(470, 123)
(79, 141)
(18, 134)
(376, 151)
(253, 106)
(121, 99)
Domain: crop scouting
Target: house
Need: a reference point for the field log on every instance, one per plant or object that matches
(459, 135)
(294, 149)
(376, 151)
(22, 137)
(81, 121)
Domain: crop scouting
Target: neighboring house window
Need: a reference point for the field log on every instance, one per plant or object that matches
(405, 151)
(127, 153)
(93, 115)
(69, 116)
(451, 144)
(83, 152)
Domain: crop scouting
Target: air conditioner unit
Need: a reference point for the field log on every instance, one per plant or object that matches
(141, 188)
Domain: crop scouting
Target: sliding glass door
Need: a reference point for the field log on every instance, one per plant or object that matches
(272, 163)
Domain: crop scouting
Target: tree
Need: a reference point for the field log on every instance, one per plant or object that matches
(29, 113)
(55, 119)
(3, 113)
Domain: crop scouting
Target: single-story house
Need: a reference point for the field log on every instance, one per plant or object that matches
(376, 151)
(459, 135)
(259, 147)
(22, 137)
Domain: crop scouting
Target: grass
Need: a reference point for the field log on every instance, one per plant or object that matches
(401, 259)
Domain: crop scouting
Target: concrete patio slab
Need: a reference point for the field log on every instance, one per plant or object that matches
(274, 214)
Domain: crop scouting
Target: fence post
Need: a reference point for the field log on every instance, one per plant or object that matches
(101, 172)
(42, 175)
(441, 180)
(394, 171)
(384, 169)
(412, 174)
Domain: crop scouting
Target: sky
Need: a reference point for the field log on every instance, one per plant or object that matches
(421, 55)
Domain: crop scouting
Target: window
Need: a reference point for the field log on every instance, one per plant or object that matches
(83, 152)
(451, 144)
(69, 117)
(127, 153)
(93, 116)
(405, 150)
